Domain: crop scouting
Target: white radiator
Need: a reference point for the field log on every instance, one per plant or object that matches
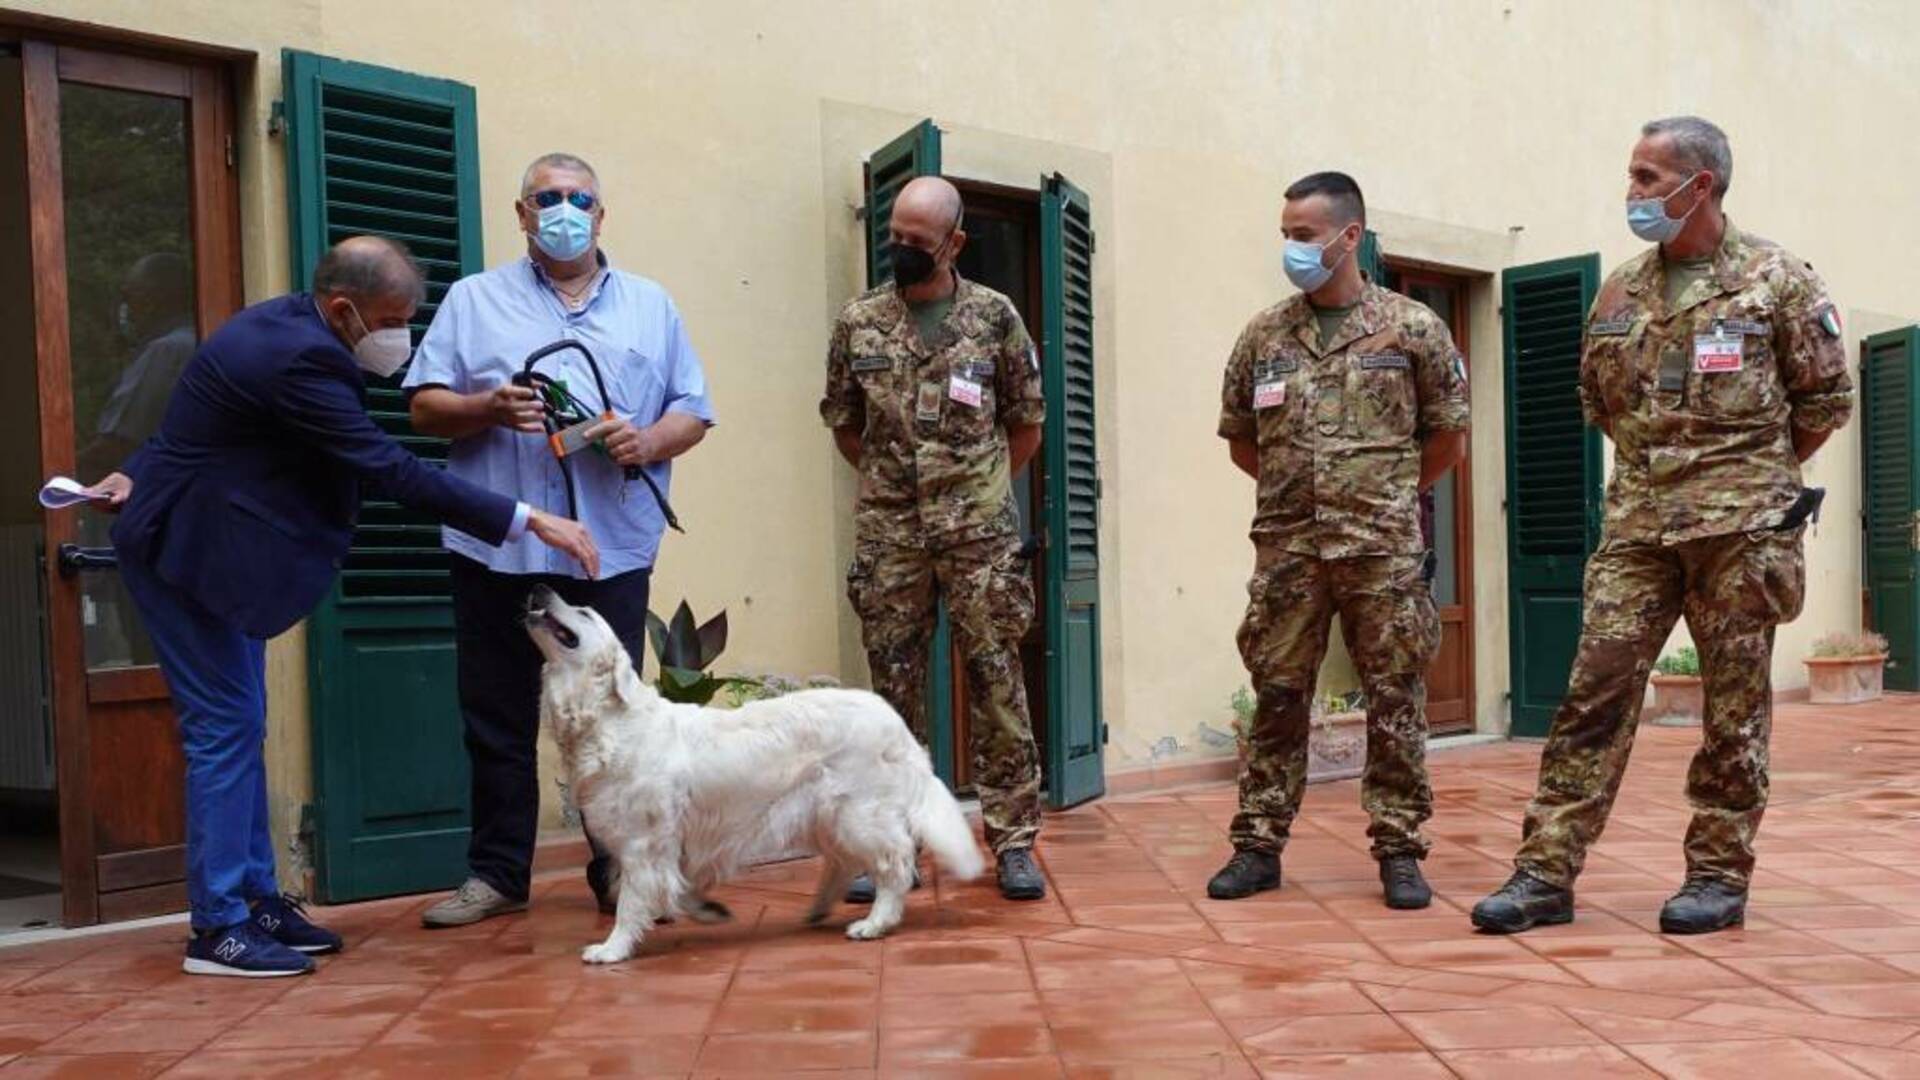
(26, 721)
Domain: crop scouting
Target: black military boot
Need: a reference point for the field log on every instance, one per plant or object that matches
(1405, 888)
(1019, 878)
(860, 891)
(1248, 872)
(1522, 903)
(1702, 906)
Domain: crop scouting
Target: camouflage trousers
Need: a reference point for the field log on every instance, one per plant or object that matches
(1392, 632)
(1733, 589)
(989, 599)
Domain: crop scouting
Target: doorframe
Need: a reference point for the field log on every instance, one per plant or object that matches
(52, 52)
(1461, 325)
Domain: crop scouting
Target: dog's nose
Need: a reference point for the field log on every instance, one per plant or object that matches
(541, 597)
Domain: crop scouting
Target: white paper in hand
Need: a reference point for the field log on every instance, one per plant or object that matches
(62, 492)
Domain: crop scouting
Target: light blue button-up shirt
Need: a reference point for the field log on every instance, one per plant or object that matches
(480, 339)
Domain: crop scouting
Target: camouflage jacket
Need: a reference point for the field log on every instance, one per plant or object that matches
(1701, 400)
(933, 416)
(1339, 429)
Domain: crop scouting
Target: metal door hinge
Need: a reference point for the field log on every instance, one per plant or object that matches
(1106, 733)
(229, 151)
(277, 119)
(1914, 531)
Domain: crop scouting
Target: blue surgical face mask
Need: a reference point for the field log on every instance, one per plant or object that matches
(565, 232)
(1304, 264)
(1648, 217)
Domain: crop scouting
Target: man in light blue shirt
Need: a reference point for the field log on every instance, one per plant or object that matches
(461, 389)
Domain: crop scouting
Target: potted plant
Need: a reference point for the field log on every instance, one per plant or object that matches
(1678, 700)
(1846, 668)
(1336, 739)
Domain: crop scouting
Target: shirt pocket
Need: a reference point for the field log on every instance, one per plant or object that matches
(1610, 368)
(1751, 390)
(1282, 387)
(638, 388)
(970, 374)
(1380, 394)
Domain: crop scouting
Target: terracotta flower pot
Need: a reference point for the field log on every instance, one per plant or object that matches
(1678, 701)
(1844, 680)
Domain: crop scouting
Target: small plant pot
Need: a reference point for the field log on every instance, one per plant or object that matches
(1845, 680)
(1678, 701)
(1337, 746)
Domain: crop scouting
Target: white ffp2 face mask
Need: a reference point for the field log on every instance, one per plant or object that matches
(381, 352)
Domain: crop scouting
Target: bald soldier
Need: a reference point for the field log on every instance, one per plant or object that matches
(1714, 362)
(933, 394)
(1343, 402)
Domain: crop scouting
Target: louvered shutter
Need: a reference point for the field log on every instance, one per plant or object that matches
(1888, 387)
(1075, 770)
(1553, 478)
(371, 150)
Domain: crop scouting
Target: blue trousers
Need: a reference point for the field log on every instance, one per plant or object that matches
(218, 676)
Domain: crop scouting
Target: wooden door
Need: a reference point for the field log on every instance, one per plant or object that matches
(133, 238)
(1890, 410)
(1446, 518)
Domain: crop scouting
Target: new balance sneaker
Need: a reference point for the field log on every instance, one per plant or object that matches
(285, 919)
(243, 950)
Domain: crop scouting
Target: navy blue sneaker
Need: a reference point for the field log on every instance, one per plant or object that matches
(285, 919)
(243, 950)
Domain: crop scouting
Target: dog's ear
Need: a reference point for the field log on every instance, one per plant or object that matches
(611, 672)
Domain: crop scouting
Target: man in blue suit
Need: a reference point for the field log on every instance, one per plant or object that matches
(234, 519)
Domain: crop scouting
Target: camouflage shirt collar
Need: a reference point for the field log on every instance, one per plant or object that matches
(1649, 277)
(1367, 317)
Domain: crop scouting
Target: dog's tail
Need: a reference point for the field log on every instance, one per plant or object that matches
(941, 828)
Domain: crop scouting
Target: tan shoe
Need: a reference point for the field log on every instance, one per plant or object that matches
(474, 901)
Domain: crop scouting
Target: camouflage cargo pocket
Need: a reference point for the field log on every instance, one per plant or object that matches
(1776, 575)
(1012, 595)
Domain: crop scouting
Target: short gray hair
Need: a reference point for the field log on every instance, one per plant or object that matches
(1700, 144)
(369, 267)
(558, 160)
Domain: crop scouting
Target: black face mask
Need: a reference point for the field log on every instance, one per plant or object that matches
(911, 265)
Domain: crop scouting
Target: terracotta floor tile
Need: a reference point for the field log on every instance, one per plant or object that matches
(1808, 1025)
(285, 1032)
(1153, 1003)
(1497, 1028)
(1341, 1034)
(1030, 1068)
(1866, 1000)
(111, 1066)
(632, 1021)
(792, 1014)
(1654, 975)
(1737, 1060)
(1634, 946)
(905, 1047)
(1529, 1063)
(1299, 999)
(1119, 971)
(1108, 1042)
(1620, 1029)
(1417, 1065)
(136, 1036)
(439, 1026)
(1222, 1066)
(1876, 1061)
(910, 952)
(956, 978)
(1834, 968)
(464, 1059)
(303, 1063)
(957, 1010)
(567, 1058)
(22, 1036)
(788, 1052)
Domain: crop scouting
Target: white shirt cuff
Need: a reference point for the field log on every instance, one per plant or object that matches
(521, 513)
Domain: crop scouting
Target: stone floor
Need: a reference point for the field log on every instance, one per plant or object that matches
(1126, 970)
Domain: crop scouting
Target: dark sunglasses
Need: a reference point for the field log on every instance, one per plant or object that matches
(546, 200)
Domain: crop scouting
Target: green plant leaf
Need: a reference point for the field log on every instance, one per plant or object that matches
(657, 634)
(683, 641)
(713, 639)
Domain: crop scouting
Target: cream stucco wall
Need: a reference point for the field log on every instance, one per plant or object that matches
(1487, 133)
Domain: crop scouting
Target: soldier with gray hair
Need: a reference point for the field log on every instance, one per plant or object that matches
(1714, 362)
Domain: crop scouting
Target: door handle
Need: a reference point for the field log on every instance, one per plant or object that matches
(73, 558)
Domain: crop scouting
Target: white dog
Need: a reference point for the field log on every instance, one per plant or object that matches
(683, 795)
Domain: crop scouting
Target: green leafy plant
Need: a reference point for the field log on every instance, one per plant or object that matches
(1347, 701)
(1849, 644)
(1244, 706)
(685, 652)
(1682, 661)
(742, 689)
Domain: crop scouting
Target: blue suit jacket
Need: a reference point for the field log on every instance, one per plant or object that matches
(247, 496)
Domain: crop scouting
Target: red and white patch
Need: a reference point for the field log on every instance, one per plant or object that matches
(1712, 353)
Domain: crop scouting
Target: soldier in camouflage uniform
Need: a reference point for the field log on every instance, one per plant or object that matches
(1715, 364)
(933, 393)
(1342, 402)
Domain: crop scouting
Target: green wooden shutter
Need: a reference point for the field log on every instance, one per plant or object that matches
(1077, 733)
(370, 150)
(1553, 478)
(914, 153)
(1372, 264)
(1889, 386)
